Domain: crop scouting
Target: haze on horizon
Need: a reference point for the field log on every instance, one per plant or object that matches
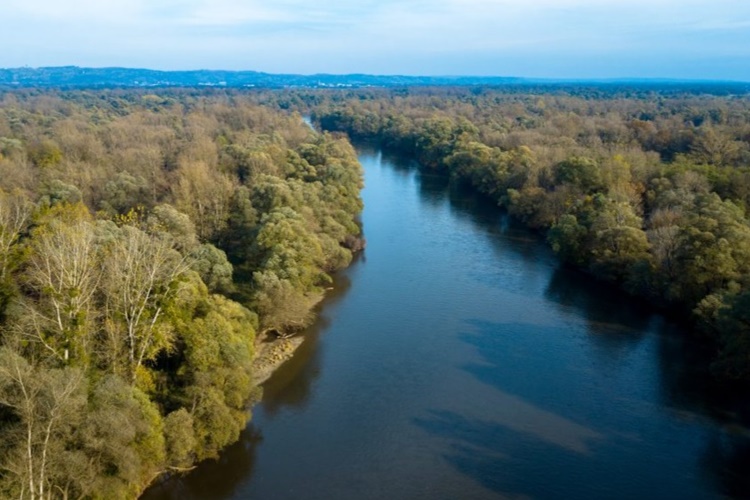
(690, 39)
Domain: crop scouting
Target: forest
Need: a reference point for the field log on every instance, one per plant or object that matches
(644, 188)
(147, 241)
(150, 238)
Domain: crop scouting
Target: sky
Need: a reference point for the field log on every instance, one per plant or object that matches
(686, 39)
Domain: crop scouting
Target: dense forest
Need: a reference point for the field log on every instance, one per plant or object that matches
(150, 238)
(146, 240)
(643, 188)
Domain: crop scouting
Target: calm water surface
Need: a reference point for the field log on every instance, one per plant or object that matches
(455, 359)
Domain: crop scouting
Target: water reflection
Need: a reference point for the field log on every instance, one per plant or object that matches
(555, 421)
(727, 461)
(466, 364)
(402, 166)
(617, 322)
(490, 453)
(672, 374)
(433, 188)
(503, 233)
(290, 385)
(688, 386)
(214, 478)
(607, 310)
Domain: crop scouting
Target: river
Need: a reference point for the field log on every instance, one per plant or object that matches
(456, 359)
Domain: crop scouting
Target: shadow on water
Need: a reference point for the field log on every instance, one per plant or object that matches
(617, 320)
(727, 461)
(499, 459)
(597, 397)
(290, 384)
(616, 324)
(213, 478)
(688, 387)
(535, 368)
(607, 310)
(687, 382)
(485, 215)
(288, 387)
(554, 427)
(678, 388)
(475, 447)
(398, 163)
(510, 465)
(536, 384)
(436, 187)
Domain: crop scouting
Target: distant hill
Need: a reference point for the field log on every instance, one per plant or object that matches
(74, 76)
(77, 77)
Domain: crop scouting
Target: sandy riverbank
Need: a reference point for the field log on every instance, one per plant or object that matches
(270, 353)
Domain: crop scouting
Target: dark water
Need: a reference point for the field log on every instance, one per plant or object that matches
(456, 360)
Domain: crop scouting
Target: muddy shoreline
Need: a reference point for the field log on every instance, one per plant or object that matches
(271, 353)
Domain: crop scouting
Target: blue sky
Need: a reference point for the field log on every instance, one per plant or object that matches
(707, 39)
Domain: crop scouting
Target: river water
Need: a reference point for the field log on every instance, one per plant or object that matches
(456, 360)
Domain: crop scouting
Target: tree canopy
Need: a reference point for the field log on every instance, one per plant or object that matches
(644, 188)
(145, 240)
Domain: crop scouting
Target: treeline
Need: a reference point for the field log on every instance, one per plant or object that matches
(648, 191)
(144, 240)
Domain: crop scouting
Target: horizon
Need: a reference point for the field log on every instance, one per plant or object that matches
(534, 39)
(521, 78)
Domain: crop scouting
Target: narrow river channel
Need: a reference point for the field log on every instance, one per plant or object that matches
(456, 360)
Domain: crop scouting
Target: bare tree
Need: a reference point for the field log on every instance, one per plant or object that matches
(140, 281)
(15, 210)
(46, 404)
(64, 273)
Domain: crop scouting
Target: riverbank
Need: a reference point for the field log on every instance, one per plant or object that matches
(456, 359)
(271, 353)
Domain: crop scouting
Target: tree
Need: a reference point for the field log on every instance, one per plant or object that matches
(734, 336)
(618, 242)
(57, 191)
(568, 239)
(122, 437)
(713, 251)
(167, 220)
(15, 212)
(435, 141)
(125, 192)
(291, 251)
(663, 238)
(64, 272)
(47, 404)
(581, 172)
(117, 363)
(140, 281)
(204, 194)
(216, 372)
(279, 303)
(715, 147)
(214, 268)
(241, 225)
(45, 153)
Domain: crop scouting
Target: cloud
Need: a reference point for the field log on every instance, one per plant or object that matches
(437, 36)
(76, 11)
